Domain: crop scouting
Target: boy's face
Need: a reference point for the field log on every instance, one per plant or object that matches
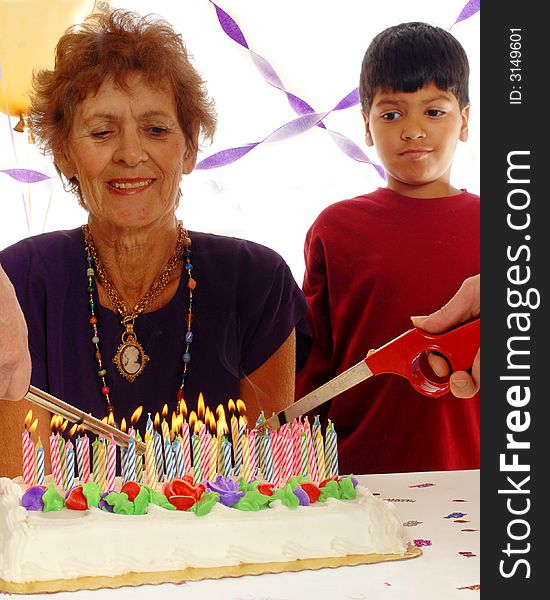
(415, 134)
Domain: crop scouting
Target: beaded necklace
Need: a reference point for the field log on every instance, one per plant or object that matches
(129, 339)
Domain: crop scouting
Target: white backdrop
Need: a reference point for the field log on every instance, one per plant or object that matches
(274, 192)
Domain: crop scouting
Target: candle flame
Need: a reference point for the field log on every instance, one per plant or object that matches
(220, 412)
(123, 425)
(200, 406)
(136, 415)
(111, 419)
(64, 426)
(221, 427)
(53, 422)
(210, 420)
(156, 420)
(198, 426)
(72, 430)
(33, 427)
(231, 405)
(165, 411)
(183, 408)
(192, 419)
(242, 421)
(241, 407)
(28, 419)
(175, 423)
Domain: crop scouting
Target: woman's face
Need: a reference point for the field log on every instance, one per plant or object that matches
(129, 153)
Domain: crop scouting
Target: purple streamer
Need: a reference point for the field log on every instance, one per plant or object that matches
(25, 175)
(307, 119)
(470, 9)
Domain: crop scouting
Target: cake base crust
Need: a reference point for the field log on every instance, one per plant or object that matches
(195, 574)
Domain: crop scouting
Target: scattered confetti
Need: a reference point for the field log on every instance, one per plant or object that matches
(411, 523)
(467, 554)
(474, 587)
(422, 485)
(469, 530)
(455, 515)
(461, 521)
(399, 500)
(420, 543)
(459, 500)
(386, 583)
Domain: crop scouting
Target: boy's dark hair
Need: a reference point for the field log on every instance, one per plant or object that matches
(406, 57)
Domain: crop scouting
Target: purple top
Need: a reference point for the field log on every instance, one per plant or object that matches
(245, 305)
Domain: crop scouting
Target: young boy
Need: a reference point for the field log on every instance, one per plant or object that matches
(402, 250)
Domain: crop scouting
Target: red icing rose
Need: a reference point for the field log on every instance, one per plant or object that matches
(325, 481)
(182, 493)
(182, 502)
(266, 489)
(76, 499)
(132, 489)
(311, 490)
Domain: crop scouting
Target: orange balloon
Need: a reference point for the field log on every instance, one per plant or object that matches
(29, 30)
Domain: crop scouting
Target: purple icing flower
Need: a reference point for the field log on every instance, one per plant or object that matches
(302, 496)
(227, 489)
(32, 498)
(103, 504)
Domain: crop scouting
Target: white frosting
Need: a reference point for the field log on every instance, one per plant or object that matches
(66, 544)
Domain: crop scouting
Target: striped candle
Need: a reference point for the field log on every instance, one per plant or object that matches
(102, 465)
(54, 455)
(150, 466)
(111, 464)
(331, 449)
(139, 461)
(296, 432)
(288, 460)
(85, 474)
(70, 465)
(39, 463)
(226, 457)
(320, 452)
(62, 460)
(178, 456)
(246, 466)
(213, 464)
(235, 439)
(303, 453)
(186, 448)
(28, 458)
(170, 460)
(78, 452)
(311, 457)
(239, 451)
(316, 427)
(196, 443)
(277, 444)
(159, 460)
(253, 456)
(129, 466)
(268, 457)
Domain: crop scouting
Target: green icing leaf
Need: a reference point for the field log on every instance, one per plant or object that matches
(252, 501)
(286, 496)
(92, 493)
(52, 499)
(249, 486)
(296, 480)
(330, 490)
(141, 501)
(205, 503)
(120, 503)
(160, 499)
(347, 490)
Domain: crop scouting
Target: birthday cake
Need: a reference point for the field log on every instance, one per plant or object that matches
(192, 507)
(188, 531)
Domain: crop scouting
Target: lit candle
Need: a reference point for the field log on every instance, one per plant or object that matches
(157, 443)
(111, 464)
(331, 450)
(226, 457)
(196, 443)
(178, 455)
(130, 457)
(70, 465)
(268, 457)
(252, 437)
(63, 455)
(288, 461)
(139, 461)
(277, 444)
(124, 456)
(28, 452)
(169, 457)
(186, 447)
(39, 463)
(150, 463)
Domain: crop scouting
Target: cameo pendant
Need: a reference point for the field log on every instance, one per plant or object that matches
(130, 358)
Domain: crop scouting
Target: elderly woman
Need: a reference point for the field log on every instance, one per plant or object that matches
(132, 309)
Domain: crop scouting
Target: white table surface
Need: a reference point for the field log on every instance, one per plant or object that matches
(441, 512)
